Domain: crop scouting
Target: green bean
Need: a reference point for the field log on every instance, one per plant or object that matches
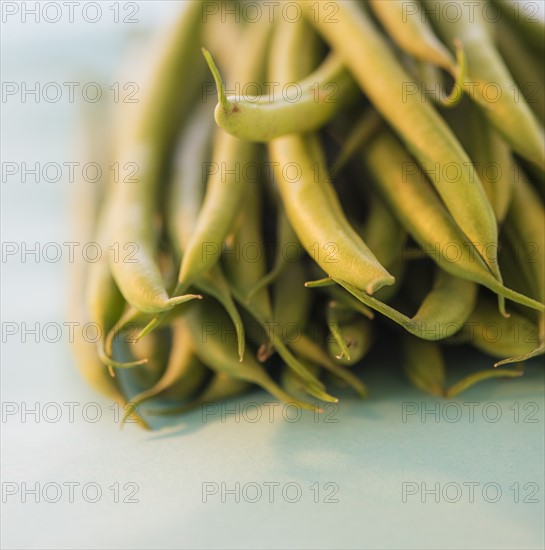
(291, 308)
(413, 33)
(512, 117)
(84, 352)
(489, 153)
(368, 124)
(144, 140)
(353, 336)
(475, 377)
(426, 219)
(500, 337)
(311, 203)
(424, 365)
(287, 240)
(315, 214)
(525, 226)
(526, 68)
(184, 203)
(218, 351)
(442, 312)
(429, 139)
(293, 384)
(221, 388)
(88, 201)
(262, 118)
(225, 188)
(306, 348)
(245, 270)
(183, 373)
(530, 26)
(292, 300)
(382, 232)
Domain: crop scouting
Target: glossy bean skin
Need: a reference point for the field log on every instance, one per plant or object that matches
(263, 118)
(144, 140)
(424, 132)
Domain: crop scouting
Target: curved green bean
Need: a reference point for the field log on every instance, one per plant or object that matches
(260, 119)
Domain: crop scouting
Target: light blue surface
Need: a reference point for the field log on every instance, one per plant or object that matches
(366, 456)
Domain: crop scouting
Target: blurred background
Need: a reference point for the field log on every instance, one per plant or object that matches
(401, 470)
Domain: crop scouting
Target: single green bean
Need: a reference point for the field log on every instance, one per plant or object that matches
(262, 118)
(424, 365)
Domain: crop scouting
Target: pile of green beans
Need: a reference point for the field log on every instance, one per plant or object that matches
(282, 240)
